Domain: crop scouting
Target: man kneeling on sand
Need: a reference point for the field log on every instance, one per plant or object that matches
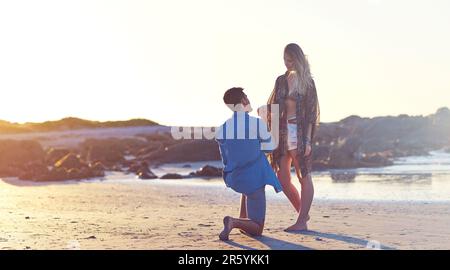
(243, 141)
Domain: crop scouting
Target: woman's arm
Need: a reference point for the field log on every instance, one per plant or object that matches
(312, 116)
(308, 147)
(308, 133)
(312, 109)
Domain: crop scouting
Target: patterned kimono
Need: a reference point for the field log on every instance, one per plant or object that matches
(307, 112)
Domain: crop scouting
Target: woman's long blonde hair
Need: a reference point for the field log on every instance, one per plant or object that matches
(301, 64)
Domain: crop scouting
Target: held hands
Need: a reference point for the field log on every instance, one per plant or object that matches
(262, 112)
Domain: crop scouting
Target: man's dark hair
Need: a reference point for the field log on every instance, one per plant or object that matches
(234, 95)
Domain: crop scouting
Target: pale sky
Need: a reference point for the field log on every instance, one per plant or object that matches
(171, 61)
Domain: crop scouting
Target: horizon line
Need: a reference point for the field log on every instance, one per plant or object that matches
(160, 124)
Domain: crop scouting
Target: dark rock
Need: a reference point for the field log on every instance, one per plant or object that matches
(376, 160)
(98, 169)
(359, 142)
(208, 171)
(134, 168)
(345, 153)
(187, 151)
(55, 174)
(109, 152)
(116, 168)
(158, 137)
(61, 173)
(350, 143)
(150, 149)
(139, 167)
(74, 173)
(187, 166)
(172, 176)
(343, 176)
(147, 175)
(126, 163)
(55, 154)
(70, 161)
(34, 171)
(14, 155)
(319, 165)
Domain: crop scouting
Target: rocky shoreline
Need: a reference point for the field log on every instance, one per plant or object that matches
(350, 143)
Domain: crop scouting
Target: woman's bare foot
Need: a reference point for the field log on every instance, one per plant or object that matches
(227, 227)
(297, 227)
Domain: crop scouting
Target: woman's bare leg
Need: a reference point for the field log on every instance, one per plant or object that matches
(293, 154)
(298, 171)
(284, 175)
(307, 198)
(296, 163)
(247, 225)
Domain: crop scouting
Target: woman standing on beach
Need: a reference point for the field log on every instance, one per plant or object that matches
(296, 95)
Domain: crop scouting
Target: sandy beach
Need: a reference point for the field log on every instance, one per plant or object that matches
(174, 215)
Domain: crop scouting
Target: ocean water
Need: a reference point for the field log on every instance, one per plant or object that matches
(416, 178)
(424, 179)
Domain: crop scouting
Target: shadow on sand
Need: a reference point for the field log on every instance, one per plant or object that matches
(277, 244)
(343, 238)
(271, 243)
